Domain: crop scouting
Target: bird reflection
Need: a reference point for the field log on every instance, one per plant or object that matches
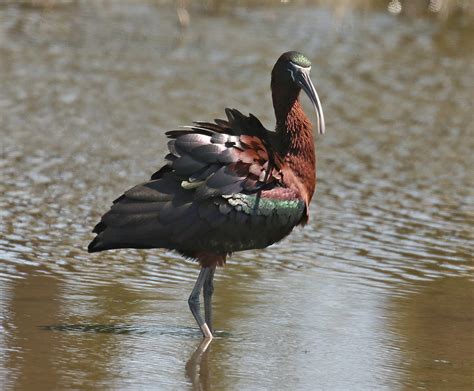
(197, 368)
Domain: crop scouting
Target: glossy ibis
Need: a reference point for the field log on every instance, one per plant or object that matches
(226, 186)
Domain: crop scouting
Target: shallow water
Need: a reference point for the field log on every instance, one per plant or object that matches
(375, 292)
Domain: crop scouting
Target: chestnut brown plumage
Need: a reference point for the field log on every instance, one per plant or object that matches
(226, 186)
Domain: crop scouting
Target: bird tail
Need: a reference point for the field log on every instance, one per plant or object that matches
(96, 245)
(151, 215)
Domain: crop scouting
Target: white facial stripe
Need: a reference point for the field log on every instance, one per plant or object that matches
(297, 68)
(300, 67)
(292, 73)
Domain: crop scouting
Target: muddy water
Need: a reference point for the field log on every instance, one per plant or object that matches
(376, 292)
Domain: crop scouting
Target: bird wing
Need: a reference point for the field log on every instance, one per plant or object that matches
(210, 167)
(224, 157)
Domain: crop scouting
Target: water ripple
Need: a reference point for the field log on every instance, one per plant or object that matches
(393, 205)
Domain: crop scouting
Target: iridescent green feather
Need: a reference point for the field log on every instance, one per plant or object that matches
(260, 206)
(299, 59)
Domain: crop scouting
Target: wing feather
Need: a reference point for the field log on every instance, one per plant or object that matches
(227, 156)
(207, 163)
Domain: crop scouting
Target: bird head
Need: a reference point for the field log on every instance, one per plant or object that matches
(291, 71)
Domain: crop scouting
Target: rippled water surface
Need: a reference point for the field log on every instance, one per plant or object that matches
(375, 292)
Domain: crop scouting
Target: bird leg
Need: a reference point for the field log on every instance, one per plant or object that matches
(194, 305)
(208, 291)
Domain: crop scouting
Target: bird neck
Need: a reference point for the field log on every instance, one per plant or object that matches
(294, 129)
(295, 134)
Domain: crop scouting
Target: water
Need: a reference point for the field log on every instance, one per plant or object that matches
(375, 292)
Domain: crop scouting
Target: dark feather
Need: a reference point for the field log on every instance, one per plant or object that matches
(210, 153)
(199, 200)
(204, 173)
(224, 177)
(187, 165)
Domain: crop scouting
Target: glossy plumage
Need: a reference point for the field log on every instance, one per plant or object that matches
(226, 186)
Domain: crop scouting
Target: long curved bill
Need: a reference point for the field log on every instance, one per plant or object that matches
(307, 85)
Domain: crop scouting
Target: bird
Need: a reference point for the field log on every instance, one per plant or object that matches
(226, 186)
